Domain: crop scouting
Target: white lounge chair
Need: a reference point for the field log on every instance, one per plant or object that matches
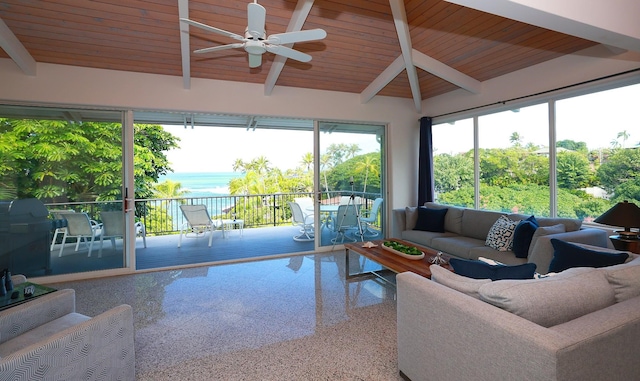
(82, 228)
(368, 218)
(198, 222)
(113, 227)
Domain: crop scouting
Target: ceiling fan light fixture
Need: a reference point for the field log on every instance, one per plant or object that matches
(255, 47)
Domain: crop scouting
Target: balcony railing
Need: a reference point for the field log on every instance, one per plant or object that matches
(163, 216)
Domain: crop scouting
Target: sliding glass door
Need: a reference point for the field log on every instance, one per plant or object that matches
(350, 162)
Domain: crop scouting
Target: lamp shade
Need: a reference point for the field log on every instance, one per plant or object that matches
(625, 214)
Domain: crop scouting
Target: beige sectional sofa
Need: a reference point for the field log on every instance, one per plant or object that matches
(466, 232)
(580, 324)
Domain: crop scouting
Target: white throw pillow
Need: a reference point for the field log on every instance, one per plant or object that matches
(500, 235)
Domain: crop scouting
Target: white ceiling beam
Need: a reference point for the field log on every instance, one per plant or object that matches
(299, 16)
(611, 22)
(185, 48)
(392, 71)
(445, 72)
(14, 48)
(402, 28)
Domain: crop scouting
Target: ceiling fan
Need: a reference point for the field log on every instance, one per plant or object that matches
(255, 40)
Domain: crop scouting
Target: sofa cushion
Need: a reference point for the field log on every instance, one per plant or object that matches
(39, 333)
(570, 224)
(423, 238)
(431, 220)
(625, 279)
(567, 255)
(481, 270)
(411, 214)
(522, 236)
(545, 230)
(453, 218)
(552, 300)
(477, 223)
(457, 282)
(460, 245)
(500, 235)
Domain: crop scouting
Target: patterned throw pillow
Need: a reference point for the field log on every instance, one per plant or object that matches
(500, 235)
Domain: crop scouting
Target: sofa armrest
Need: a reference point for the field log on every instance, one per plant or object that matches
(446, 335)
(398, 222)
(102, 345)
(17, 320)
(542, 252)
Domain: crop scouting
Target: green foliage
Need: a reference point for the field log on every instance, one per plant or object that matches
(339, 177)
(452, 172)
(622, 166)
(516, 165)
(572, 145)
(628, 190)
(573, 170)
(59, 161)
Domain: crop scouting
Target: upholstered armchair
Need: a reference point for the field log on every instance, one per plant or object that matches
(45, 339)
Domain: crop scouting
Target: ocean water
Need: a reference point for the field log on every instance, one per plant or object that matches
(202, 184)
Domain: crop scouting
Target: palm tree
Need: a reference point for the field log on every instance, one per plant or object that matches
(307, 161)
(624, 135)
(260, 165)
(239, 166)
(169, 189)
(352, 149)
(515, 139)
(368, 165)
(325, 165)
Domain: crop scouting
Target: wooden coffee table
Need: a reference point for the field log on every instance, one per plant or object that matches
(392, 261)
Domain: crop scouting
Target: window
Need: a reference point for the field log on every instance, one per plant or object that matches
(597, 157)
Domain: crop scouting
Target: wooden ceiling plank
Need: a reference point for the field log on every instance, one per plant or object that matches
(14, 48)
(445, 72)
(303, 7)
(185, 48)
(402, 28)
(391, 72)
(612, 22)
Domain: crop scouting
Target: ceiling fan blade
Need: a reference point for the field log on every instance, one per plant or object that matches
(255, 60)
(221, 47)
(289, 53)
(300, 36)
(213, 29)
(256, 16)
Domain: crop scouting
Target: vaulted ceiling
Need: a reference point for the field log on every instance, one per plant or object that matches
(414, 49)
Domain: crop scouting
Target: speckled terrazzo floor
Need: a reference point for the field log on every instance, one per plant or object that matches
(283, 319)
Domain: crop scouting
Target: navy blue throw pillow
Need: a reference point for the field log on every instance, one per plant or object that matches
(567, 255)
(522, 236)
(431, 220)
(483, 270)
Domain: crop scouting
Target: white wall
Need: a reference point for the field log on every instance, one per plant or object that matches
(84, 87)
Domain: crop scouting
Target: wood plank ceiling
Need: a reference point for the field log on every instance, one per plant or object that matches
(362, 41)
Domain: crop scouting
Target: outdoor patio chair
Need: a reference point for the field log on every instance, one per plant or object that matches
(306, 204)
(305, 221)
(82, 228)
(113, 227)
(369, 217)
(198, 223)
(57, 214)
(345, 219)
